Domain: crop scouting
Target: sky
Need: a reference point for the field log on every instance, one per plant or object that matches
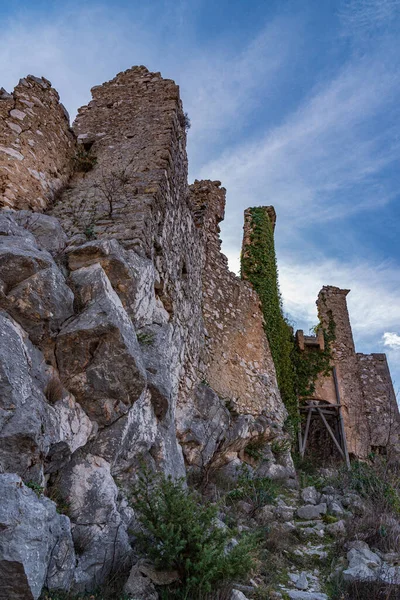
(293, 103)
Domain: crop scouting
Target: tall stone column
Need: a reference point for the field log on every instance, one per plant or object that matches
(332, 305)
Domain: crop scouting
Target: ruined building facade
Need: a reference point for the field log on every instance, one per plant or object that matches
(123, 336)
(363, 386)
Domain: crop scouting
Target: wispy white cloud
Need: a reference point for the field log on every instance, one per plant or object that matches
(367, 16)
(325, 151)
(392, 340)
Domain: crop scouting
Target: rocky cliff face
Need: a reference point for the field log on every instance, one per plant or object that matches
(123, 336)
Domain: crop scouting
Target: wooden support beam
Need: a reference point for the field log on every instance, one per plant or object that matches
(331, 433)
(303, 449)
(341, 424)
(310, 406)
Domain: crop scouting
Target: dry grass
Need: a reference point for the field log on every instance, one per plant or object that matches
(54, 390)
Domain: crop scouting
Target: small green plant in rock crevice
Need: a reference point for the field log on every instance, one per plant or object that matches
(38, 489)
(144, 338)
(83, 161)
(180, 534)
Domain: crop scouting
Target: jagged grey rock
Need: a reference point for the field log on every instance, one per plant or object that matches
(311, 511)
(132, 276)
(26, 427)
(33, 535)
(131, 436)
(19, 259)
(47, 230)
(98, 355)
(310, 495)
(139, 586)
(204, 427)
(60, 572)
(98, 530)
(41, 303)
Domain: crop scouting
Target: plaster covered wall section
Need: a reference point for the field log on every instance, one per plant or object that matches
(36, 145)
(380, 403)
(332, 304)
(238, 361)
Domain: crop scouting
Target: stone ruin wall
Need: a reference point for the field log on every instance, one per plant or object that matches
(36, 145)
(380, 404)
(103, 341)
(239, 365)
(369, 408)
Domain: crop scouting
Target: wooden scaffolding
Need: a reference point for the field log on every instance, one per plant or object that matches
(329, 413)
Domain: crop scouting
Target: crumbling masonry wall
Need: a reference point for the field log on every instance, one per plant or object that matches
(238, 361)
(380, 404)
(36, 145)
(369, 408)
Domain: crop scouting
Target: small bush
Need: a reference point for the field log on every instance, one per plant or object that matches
(54, 390)
(180, 534)
(257, 491)
(255, 449)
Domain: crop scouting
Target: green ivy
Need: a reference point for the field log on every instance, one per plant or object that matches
(297, 371)
(309, 364)
(259, 266)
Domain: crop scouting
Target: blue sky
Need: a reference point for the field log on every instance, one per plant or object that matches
(293, 103)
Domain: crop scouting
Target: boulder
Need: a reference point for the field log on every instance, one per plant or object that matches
(364, 565)
(47, 230)
(26, 419)
(237, 595)
(139, 586)
(33, 538)
(311, 511)
(99, 533)
(310, 495)
(337, 529)
(98, 354)
(132, 276)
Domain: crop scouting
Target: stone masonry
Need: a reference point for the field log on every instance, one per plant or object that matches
(123, 335)
(36, 145)
(239, 364)
(369, 408)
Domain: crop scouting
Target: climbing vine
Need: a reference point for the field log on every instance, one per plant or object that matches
(309, 364)
(297, 371)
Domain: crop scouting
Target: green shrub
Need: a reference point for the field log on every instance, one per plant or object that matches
(257, 491)
(38, 489)
(180, 534)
